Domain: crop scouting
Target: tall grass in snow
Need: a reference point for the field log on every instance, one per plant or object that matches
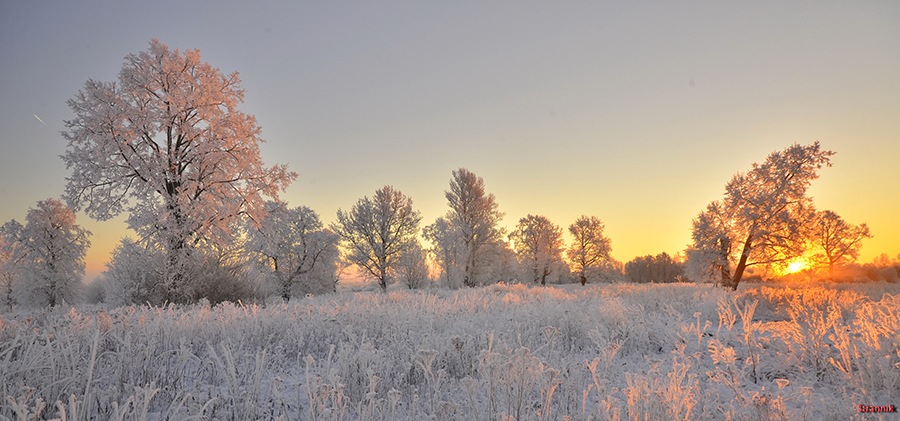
(502, 352)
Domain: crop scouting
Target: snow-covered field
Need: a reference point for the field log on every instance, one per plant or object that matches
(631, 352)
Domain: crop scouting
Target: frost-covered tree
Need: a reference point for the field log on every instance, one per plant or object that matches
(474, 216)
(376, 231)
(412, 267)
(590, 248)
(446, 248)
(661, 268)
(538, 244)
(49, 252)
(134, 275)
(10, 264)
(500, 264)
(835, 241)
(168, 144)
(767, 209)
(220, 272)
(289, 245)
(709, 258)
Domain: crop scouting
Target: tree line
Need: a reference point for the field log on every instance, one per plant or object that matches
(167, 144)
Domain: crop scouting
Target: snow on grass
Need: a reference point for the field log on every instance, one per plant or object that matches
(665, 351)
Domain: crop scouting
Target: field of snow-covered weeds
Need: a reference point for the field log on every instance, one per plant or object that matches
(635, 352)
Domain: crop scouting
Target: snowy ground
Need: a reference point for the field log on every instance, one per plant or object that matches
(657, 352)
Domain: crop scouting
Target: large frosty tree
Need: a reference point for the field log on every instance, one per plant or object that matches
(474, 216)
(765, 215)
(168, 143)
(377, 231)
(49, 253)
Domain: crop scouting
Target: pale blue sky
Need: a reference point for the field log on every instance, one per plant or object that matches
(635, 112)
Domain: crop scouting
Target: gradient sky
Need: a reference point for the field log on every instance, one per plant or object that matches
(637, 113)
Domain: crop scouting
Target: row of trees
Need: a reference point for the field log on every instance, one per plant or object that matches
(167, 144)
(468, 246)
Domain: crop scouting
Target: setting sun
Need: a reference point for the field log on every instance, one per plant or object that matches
(796, 266)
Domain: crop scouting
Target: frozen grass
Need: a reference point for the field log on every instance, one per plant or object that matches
(619, 352)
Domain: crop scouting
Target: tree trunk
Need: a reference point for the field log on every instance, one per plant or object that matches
(175, 271)
(382, 280)
(742, 264)
(583, 279)
(285, 283)
(468, 278)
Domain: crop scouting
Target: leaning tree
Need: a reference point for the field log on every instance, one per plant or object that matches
(764, 218)
(167, 143)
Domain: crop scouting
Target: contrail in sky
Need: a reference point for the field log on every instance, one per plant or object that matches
(39, 119)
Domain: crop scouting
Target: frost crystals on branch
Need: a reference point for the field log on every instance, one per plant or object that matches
(168, 136)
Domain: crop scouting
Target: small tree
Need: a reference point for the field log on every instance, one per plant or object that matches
(709, 256)
(474, 216)
(376, 231)
(501, 264)
(412, 268)
(134, 275)
(168, 136)
(289, 244)
(10, 264)
(52, 250)
(446, 248)
(836, 242)
(538, 244)
(590, 248)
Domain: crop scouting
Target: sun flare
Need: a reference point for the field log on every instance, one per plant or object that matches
(796, 266)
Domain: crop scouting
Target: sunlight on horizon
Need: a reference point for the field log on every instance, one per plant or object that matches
(797, 265)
